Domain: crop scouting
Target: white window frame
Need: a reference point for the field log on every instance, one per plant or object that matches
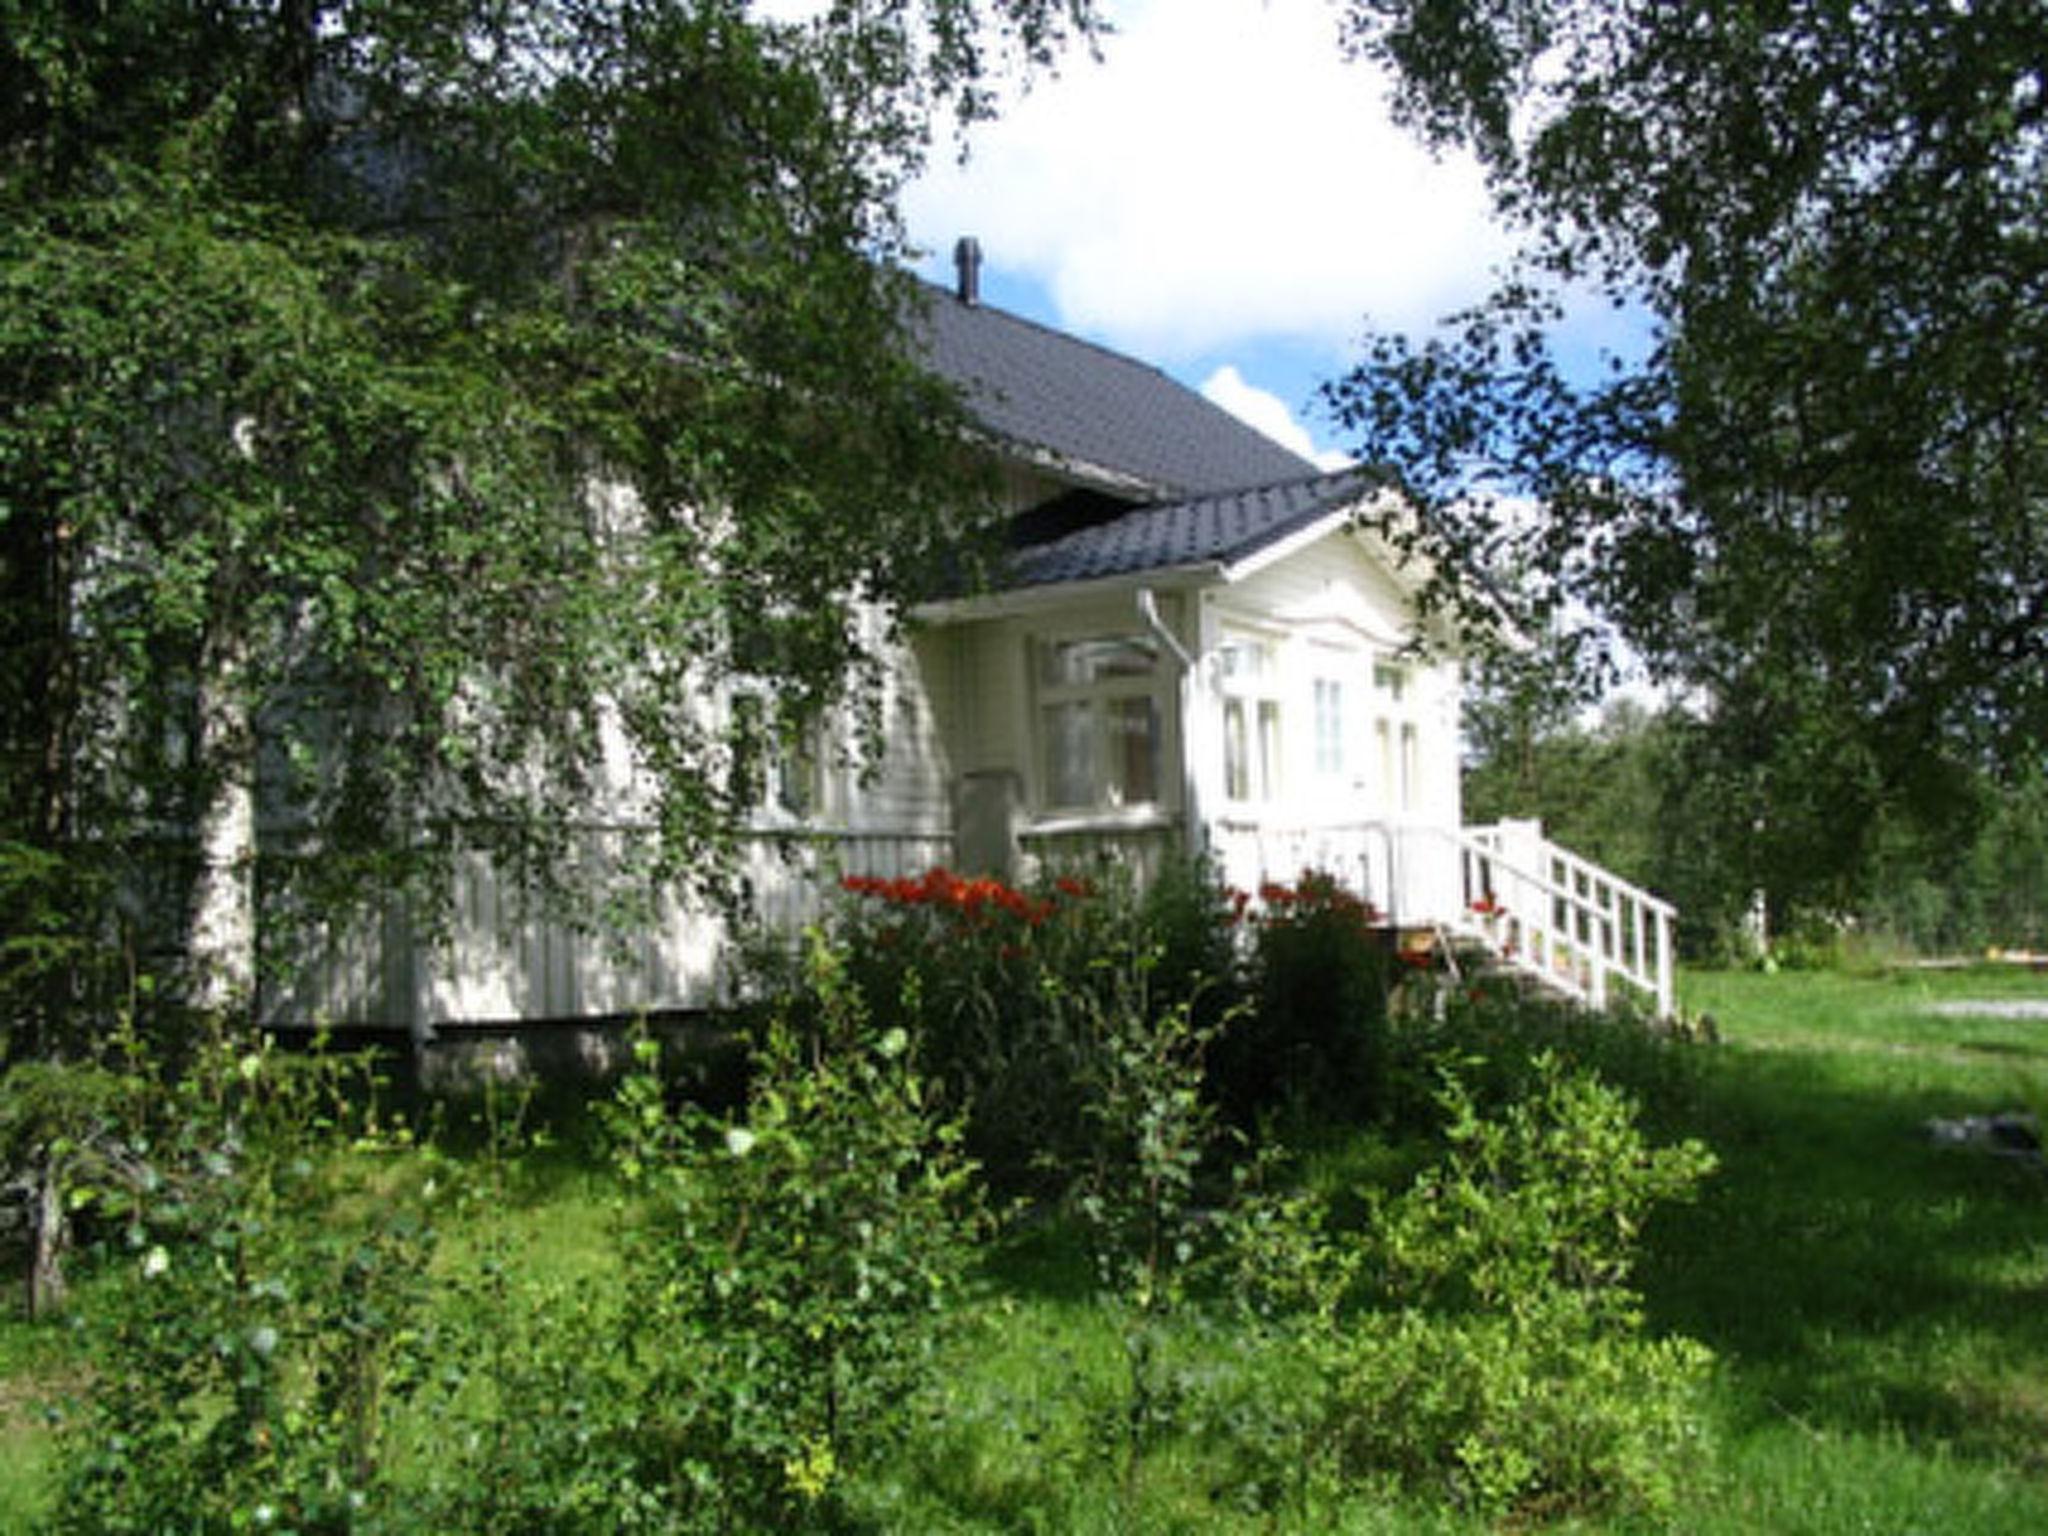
(1252, 714)
(1396, 732)
(1096, 696)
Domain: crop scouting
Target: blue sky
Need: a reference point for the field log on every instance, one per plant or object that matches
(1221, 194)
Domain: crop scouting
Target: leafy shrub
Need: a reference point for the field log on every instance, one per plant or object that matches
(1480, 1340)
(249, 1352)
(1004, 992)
(1136, 1196)
(1314, 1039)
(1492, 1030)
(787, 1269)
(66, 1134)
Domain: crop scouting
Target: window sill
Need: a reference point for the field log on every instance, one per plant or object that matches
(1134, 818)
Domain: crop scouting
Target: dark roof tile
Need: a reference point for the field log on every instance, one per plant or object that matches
(1093, 408)
(1219, 529)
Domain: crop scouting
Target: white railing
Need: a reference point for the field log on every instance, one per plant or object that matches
(1544, 910)
(1571, 924)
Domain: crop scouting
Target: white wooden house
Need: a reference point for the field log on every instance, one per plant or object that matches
(1198, 644)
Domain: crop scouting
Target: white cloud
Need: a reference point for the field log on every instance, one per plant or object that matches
(1222, 174)
(1266, 412)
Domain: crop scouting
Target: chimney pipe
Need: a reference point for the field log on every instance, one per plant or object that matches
(967, 263)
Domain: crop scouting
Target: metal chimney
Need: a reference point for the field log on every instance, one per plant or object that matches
(967, 263)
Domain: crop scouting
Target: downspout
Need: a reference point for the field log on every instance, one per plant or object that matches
(1148, 610)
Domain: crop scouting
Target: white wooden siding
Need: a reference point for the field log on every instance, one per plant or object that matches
(503, 961)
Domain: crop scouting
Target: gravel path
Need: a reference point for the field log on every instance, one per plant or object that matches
(1995, 1008)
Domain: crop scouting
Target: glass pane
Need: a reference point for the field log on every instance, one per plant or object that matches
(1133, 751)
(1269, 749)
(1243, 661)
(1076, 663)
(1236, 759)
(796, 780)
(1329, 726)
(1069, 754)
(1390, 679)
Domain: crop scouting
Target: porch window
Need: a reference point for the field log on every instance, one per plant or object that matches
(1395, 735)
(1251, 720)
(1100, 721)
(1329, 694)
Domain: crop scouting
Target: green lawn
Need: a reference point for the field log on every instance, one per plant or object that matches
(1878, 1304)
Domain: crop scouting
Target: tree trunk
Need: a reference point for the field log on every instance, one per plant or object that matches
(49, 1235)
(220, 931)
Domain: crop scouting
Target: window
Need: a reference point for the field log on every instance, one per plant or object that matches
(796, 779)
(1100, 721)
(1395, 735)
(1251, 719)
(1329, 695)
(781, 763)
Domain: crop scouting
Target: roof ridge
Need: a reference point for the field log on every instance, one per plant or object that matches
(1293, 482)
(948, 295)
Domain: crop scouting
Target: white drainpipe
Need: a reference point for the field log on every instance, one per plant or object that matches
(1148, 610)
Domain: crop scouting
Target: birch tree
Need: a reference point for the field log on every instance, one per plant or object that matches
(320, 320)
(1815, 495)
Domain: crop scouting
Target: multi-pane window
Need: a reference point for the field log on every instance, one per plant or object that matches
(1100, 721)
(1329, 714)
(1394, 735)
(1251, 720)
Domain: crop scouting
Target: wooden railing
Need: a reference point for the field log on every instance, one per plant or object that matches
(1545, 911)
(1569, 923)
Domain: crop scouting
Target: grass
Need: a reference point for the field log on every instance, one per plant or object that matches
(1876, 1299)
(1878, 1303)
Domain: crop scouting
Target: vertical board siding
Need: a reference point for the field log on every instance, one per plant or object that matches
(505, 960)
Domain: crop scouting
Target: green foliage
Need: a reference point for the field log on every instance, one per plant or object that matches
(1936, 894)
(1480, 1339)
(1153, 1126)
(255, 1336)
(1495, 1034)
(1813, 496)
(1657, 798)
(789, 1268)
(1010, 994)
(1314, 1037)
(67, 1138)
(400, 398)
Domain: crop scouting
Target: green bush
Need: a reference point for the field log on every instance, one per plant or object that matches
(1004, 991)
(1492, 1030)
(255, 1336)
(1314, 1038)
(1479, 1339)
(788, 1270)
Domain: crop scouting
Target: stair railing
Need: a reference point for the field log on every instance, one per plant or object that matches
(1564, 920)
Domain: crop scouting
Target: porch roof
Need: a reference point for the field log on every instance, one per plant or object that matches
(1222, 530)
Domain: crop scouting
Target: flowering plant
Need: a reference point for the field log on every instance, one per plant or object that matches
(1002, 988)
(1319, 972)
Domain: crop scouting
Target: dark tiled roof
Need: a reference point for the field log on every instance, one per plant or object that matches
(1041, 389)
(1219, 529)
